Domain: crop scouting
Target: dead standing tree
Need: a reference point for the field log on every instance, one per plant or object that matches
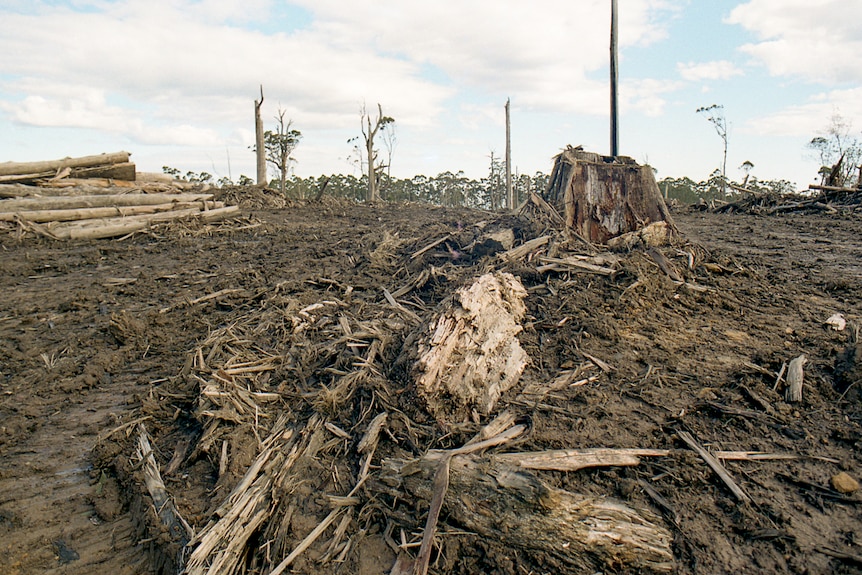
(279, 145)
(259, 141)
(715, 116)
(369, 132)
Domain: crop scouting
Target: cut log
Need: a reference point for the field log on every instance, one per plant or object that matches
(96, 201)
(470, 354)
(103, 183)
(114, 227)
(603, 197)
(75, 214)
(18, 168)
(124, 171)
(517, 508)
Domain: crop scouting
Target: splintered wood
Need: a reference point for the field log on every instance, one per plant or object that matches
(517, 508)
(471, 354)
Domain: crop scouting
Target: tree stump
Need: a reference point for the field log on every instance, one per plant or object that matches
(603, 197)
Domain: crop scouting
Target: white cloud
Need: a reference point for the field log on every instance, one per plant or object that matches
(189, 70)
(716, 70)
(541, 53)
(185, 72)
(647, 95)
(812, 117)
(816, 40)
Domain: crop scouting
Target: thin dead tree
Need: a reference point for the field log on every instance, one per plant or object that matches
(390, 142)
(259, 149)
(715, 115)
(369, 132)
(279, 145)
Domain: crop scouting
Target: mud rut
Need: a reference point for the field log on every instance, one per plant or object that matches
(81, 343)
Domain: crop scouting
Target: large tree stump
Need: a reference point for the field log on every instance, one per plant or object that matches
(603, 197)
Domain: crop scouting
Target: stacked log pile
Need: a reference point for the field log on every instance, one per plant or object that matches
(98, 197)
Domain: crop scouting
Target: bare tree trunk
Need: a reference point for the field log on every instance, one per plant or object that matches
(258, 141)
(368, 134)
(510, 192)
(372, 172)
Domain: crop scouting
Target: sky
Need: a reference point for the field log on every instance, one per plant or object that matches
(174, 81)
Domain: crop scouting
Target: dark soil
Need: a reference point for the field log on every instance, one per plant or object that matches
(98, 336)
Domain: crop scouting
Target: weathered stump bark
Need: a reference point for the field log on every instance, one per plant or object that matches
(517, 508)
(604, 197)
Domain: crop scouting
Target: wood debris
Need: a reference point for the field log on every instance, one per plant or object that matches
(516, 507)
(470, 351)
(714, 464)
(795, 378)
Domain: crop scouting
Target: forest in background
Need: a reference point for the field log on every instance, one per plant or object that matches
(488, 193)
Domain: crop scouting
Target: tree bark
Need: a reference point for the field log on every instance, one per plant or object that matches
(51, 167)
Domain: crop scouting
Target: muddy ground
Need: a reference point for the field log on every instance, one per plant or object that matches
(98, 336)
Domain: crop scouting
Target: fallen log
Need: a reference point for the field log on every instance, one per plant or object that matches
(113, 227)
(119, 172)
(77, 214)
(102, 183)
(123, 171)
(53, 166)
(96, 201)
(517, 508)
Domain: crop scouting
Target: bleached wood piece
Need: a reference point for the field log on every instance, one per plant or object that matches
(163, 505)
(795, 376)
(575, 459)
(578, 265)
(470, 353)
(525, 248)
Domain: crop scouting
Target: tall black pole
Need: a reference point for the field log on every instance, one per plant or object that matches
(510, 193)
(614, 80)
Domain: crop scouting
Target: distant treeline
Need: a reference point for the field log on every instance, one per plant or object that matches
(457, 190)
